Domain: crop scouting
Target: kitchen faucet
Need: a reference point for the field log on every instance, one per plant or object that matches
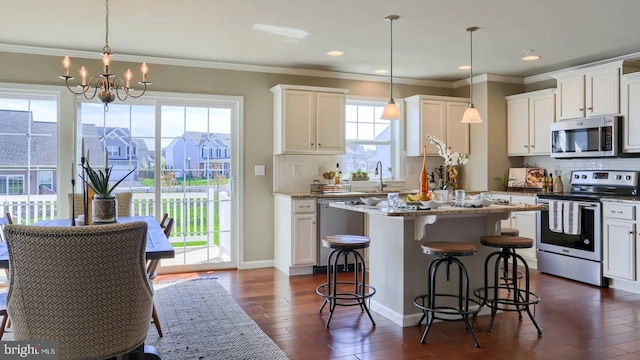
(381, 185)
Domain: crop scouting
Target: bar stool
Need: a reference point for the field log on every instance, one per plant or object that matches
(492, 294)
(344, 246)
(505, 276)
(447, 252)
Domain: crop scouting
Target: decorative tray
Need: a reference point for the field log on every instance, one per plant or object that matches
(329, 188)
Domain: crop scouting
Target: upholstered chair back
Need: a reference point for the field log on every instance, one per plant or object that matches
(85, 287)
(124, 200)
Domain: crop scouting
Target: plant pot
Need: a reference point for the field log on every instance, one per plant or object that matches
(359, 178)
(104, 209)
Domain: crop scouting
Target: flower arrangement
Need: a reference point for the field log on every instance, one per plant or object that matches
(450, 158)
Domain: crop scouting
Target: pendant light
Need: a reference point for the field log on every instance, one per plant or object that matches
(391, 110)
(471, 115)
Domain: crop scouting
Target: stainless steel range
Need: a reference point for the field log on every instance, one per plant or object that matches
(569, 237)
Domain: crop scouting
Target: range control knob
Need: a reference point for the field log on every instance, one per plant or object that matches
(618, 177)
(628, 177)
(576, 176)
(584, 176)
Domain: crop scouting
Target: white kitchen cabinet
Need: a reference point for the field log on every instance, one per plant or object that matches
(295, 230)
(439, 116)
(619, 239)
(631, 110)
(309, 120)
(529, 117)
(589, 92)
(525, 221)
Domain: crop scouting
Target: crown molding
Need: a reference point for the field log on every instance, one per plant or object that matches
(34, 50)
(489, 77)
(552, 74)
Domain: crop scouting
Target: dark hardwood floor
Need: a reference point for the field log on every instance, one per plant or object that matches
(578, 322)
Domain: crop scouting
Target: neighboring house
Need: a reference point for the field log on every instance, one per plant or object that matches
(32, 169)
(123, 151)
(28, 164)
(359, 157)
(203, 154)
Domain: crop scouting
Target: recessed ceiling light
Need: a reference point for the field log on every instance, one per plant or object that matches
(335, 53)
(381, 71)
(529, 56)
(464, 67)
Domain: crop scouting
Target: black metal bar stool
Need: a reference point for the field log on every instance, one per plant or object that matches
(433, 304)
(493, 294)
(333, 291)
(505, 275)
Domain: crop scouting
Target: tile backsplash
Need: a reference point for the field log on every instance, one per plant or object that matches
(565, 166)
(294, 173)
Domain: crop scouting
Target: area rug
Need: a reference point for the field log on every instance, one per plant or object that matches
(200, 320)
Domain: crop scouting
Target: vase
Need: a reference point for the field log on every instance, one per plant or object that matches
(452, 177)
(424, 177)
(104, 209)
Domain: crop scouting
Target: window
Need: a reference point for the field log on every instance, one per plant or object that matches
(11, 185)
(370, 139)
(113, 150)
(45, 179)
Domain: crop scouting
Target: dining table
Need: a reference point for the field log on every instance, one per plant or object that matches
(158, 245)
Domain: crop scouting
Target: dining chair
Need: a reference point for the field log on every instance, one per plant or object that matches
(3, 296)
(76, 200)
(102, 307)
(167, 225)
(124, 200)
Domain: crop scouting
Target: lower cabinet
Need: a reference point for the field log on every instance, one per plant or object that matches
(525, 221)
(295, 229)
(619, 239)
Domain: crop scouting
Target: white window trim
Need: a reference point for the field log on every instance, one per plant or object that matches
(397, 130)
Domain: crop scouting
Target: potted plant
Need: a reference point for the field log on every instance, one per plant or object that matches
(359, 175)
(503, 181)
(104, 206)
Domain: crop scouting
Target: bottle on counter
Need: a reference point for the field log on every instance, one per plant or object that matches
(338, 174)
(544, 184)
(550, 183)
(558, 186)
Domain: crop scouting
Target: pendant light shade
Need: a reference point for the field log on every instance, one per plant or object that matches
(471, 115)
(391, 110)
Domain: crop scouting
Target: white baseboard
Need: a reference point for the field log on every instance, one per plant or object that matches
(255, 264)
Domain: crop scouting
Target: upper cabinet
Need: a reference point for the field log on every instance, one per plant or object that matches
(439, 116)
(309, 120)
(631, 110)
(593, 92)
(529, 116)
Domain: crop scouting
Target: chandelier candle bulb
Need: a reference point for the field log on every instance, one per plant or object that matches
(128, 75)
(106, 61)
(83, 72)
(66, 62)
(144, 70)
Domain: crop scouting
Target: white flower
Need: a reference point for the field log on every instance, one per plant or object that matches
(450, 159)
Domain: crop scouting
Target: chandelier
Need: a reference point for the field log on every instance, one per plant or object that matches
(106, 85)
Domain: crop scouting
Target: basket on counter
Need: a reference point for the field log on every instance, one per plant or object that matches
(329, 188)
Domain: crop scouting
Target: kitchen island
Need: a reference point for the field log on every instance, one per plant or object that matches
(397, 265)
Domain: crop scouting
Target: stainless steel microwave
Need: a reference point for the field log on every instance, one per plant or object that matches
(592, 137)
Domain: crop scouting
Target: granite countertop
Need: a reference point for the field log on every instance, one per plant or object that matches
(622, 199)
(307, 195)
(516, 193)
(443, 210)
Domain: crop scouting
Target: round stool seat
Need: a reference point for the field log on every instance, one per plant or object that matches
(509, 232)
(514, 242)
(345, 242)
(448, 248)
